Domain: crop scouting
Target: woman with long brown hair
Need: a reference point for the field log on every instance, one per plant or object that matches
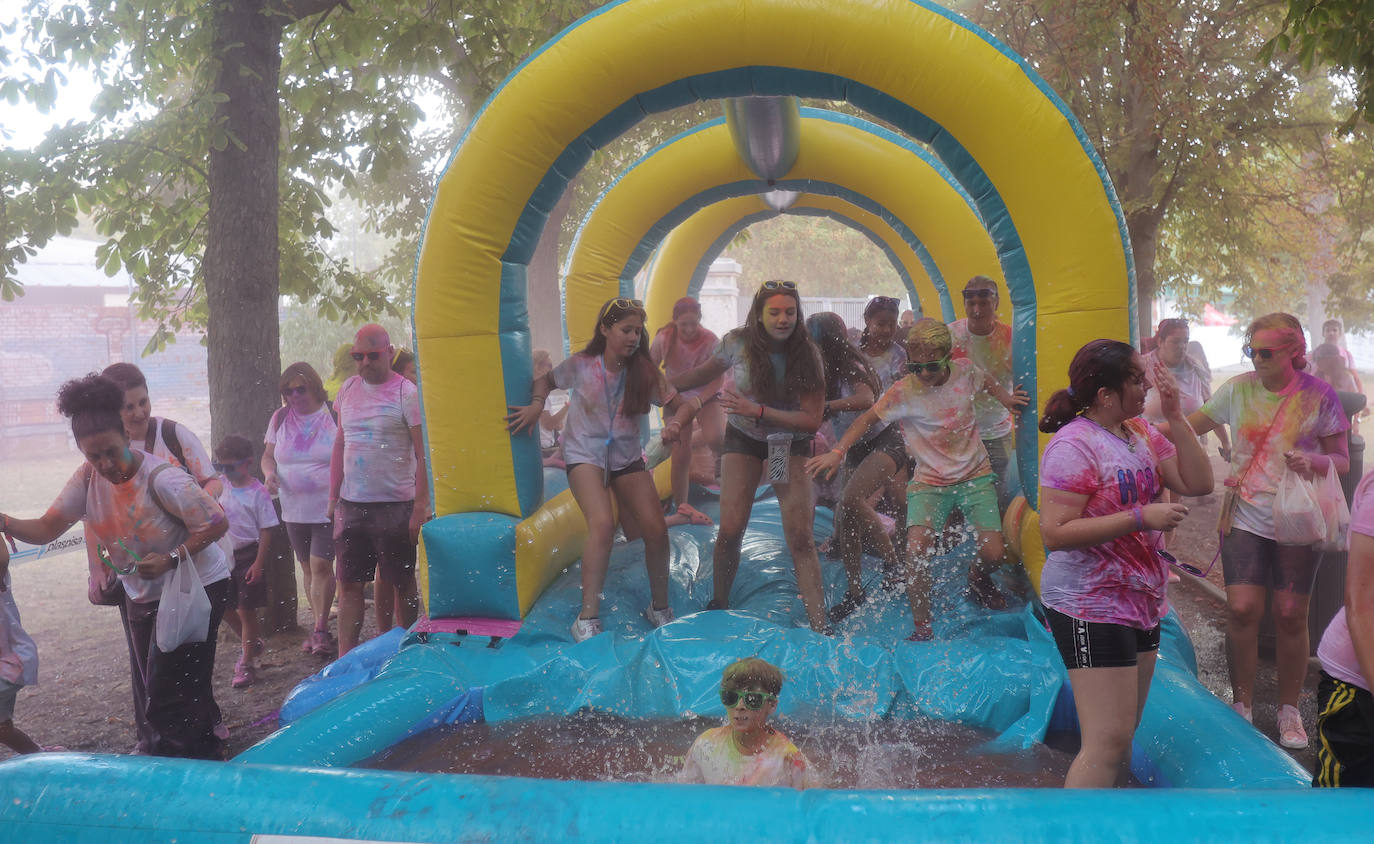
(611, 384)
(779, 390)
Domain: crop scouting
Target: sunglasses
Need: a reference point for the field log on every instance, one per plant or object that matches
(979, 294)
(752, 700)
(224, 467)
(1262, 354)
(884, 300)
(928, 366)
(625, 304)
(359, 356)
(105, 558)
(779, 285)
(295, 391)
(1187, 567)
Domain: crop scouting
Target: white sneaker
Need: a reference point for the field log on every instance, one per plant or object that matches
(1291, 733)
(657, 617)
(1243, 710)
(585, 628)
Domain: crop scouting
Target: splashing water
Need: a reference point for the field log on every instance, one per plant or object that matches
(887, 754)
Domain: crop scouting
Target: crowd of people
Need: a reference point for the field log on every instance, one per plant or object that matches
(911, 422)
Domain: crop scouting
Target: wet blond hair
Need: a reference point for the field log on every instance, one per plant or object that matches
(930, 333)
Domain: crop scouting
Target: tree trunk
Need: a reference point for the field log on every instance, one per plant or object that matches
(241, 253)
(1143, 227)
(545, 304)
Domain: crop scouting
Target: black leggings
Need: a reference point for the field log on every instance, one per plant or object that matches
(174, 697)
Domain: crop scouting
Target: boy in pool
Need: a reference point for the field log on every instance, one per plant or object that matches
(746, 750)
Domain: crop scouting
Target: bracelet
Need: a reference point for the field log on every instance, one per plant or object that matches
(837, 450)
(1139, 517)
(541, 399)
(760, 413)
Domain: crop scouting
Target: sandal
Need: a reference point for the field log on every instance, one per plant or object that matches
(983, 591)
(244, 675)
(693, 515)
(846, 607)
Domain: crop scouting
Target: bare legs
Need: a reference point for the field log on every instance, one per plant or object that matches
(1109, 703)
(857, 523)
(740, 475)
(638, 499)
(1244, 610)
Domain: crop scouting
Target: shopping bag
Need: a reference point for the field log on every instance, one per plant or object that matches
(1298, 518)
(183, 614)
(1334, 509)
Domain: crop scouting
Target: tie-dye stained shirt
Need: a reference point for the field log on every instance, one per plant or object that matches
(992, 353)
(379, 457)
(127, 512)
(890, 365)
(1243, 403)
(304, 446)
(715, 760)
(938, 425)
(730, 352)
(597, 429)
(685, 357)
(249, 511)
(197, 458)
(1121, 581)
(1337, 650)
(1194, 387)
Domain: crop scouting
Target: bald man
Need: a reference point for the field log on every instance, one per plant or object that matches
(379, 488)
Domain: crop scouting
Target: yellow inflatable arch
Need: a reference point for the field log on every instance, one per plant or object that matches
(1010, 142)
(838, 157)
(679, 266)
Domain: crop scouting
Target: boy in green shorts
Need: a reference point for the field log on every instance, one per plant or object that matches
(935, 405)
(746, 750)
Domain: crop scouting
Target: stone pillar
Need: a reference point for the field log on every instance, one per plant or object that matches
(719, 296)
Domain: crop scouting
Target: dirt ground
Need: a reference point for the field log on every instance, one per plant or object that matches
(82, 701)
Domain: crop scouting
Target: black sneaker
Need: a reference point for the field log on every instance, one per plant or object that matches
(846, 607)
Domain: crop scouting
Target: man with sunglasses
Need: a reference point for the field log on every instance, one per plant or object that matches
(746, 750)
(379, 487)
(985, 340)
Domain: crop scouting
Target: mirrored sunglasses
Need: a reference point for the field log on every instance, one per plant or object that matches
(359, 356)
(779, 285)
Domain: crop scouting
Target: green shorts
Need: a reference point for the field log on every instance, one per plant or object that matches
(930, 506)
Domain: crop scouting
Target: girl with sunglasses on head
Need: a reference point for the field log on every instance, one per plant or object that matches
(1103, 585)
(1283, 418)
(680, 346)
(934, 405)
(851, 387)
(295, 464)
(779, 389)
(611, 384)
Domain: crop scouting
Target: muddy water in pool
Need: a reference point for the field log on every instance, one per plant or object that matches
(596, 746)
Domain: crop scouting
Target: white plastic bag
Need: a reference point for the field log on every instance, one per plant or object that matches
(183, 614)
(1334, 509)
(1298, 518)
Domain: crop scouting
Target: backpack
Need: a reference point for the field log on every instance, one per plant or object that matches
(169, 436)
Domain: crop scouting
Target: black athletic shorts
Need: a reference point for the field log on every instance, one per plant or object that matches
(1345, 724)
(1095, 644)
(888, 442)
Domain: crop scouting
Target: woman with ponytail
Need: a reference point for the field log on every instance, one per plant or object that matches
(1103, 584)
(611, 384)
(1283, 418)
(680, 346)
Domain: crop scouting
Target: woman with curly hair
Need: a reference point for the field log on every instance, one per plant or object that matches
(149, 517)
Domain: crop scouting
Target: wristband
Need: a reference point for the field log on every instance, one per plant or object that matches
(541, 399)
(837, 450)
(1139, 517)
(760, 413)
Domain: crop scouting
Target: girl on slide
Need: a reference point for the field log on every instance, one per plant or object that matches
(611, 382)
(1101, 516)
(779, 389)
(851, 387)
(935, 407)
(679, 346)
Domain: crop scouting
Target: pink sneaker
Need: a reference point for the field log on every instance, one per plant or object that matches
(1291, 733)
(1243, 710)
(244, 675)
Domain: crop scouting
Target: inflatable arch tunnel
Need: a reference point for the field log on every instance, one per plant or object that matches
(1050, 225)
